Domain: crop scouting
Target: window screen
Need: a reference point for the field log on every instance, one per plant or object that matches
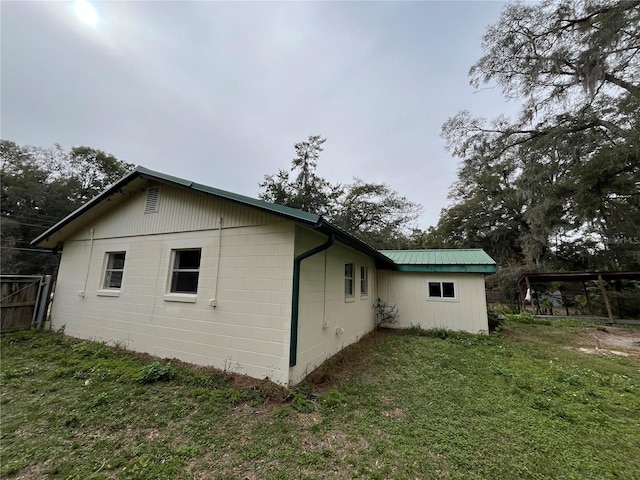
(114, 270)
(348, 279)
(185, 272)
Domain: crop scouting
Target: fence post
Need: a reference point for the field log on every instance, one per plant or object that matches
(42, 303)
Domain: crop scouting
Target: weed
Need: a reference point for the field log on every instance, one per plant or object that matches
(301, 403)
(155, 372)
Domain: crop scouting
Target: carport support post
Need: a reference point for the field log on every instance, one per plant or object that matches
(606, 299)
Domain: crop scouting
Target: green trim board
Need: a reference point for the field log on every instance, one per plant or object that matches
(447, 268)
(310, 219)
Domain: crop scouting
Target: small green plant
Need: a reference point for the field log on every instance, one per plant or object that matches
(546, 306)
(494, 319)
(386, 313)
(301, 403)
(332, 400)
(155, 372)
(581, 304)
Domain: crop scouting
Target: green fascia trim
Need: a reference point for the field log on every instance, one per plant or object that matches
(306, 218)
(447, 268)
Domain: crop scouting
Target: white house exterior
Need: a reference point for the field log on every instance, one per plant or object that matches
(176, 269)
(438, 288)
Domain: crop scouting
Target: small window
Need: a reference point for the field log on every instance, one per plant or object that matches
(442, 290)
(185, 272)
(348, 279)
(364, 281)
(114, 270)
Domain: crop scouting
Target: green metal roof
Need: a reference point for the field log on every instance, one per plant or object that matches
(442, 260)
(312, 220)
(473, 260)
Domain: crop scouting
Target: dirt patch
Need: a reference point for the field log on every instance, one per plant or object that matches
(341, 366)
(610, 341)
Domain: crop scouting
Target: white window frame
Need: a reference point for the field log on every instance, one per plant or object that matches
(106, 289)
(348, 281)
(364, 281)
(178, 296)
(441, 297)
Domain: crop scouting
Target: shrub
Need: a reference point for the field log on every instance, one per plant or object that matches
(495, 319)
(155, 372)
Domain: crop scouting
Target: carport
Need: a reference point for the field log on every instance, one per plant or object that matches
(524, 284)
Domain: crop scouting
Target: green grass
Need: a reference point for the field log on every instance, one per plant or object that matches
(412, 404)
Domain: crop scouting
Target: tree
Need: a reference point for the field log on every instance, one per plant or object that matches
(376, 214)
(569, 165)
(307, 191)
(372, 212)
(40, 187)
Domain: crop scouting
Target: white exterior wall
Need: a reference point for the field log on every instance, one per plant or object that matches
(328, 321)
(409, 292)
(247, 332)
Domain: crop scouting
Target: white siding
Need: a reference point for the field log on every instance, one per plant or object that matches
(327, 321)
(179, 210)
(409, 291)
(247, 332)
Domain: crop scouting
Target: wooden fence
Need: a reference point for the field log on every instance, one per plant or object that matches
(24, 301)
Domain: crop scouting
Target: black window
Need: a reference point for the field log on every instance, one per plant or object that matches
(348, 279)
(114, 270)
(435, 289)
(442, 290)
(186, 269)
(364, 281)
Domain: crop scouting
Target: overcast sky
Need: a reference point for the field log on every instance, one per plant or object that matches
(219, 93)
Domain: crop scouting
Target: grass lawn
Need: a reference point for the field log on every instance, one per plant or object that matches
(524, 403)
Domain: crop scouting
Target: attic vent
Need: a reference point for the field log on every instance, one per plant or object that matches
(153, 195)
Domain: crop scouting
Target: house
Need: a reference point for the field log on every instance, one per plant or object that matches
(438, 288)
(176, 269)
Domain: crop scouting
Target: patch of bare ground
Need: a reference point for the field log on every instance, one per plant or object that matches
(610, 340)
(341, 366)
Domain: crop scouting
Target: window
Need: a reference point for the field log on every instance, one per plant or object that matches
(442, 290)
(348, 279)
(114, 270)
(186, 268)
(364, 281)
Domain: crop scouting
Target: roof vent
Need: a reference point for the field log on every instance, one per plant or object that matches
(153, 196)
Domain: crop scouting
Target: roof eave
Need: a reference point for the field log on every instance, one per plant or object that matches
(108, 192)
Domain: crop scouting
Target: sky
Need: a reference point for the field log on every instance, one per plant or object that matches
(219, 92)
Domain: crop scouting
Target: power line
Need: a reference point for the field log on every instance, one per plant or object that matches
(37, 250)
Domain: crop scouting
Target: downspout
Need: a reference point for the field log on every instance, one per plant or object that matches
(214, 302)
(86, 277)
(295, 297)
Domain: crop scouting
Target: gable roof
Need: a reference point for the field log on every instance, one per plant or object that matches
(110, 197)
(470, 260)
(442, 260)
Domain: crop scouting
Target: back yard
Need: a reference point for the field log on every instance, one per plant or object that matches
(533, 401)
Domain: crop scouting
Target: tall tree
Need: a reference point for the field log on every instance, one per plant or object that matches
(569, 165)
(372, 212)
(307, 191)
(376, 214)
(40, 186)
